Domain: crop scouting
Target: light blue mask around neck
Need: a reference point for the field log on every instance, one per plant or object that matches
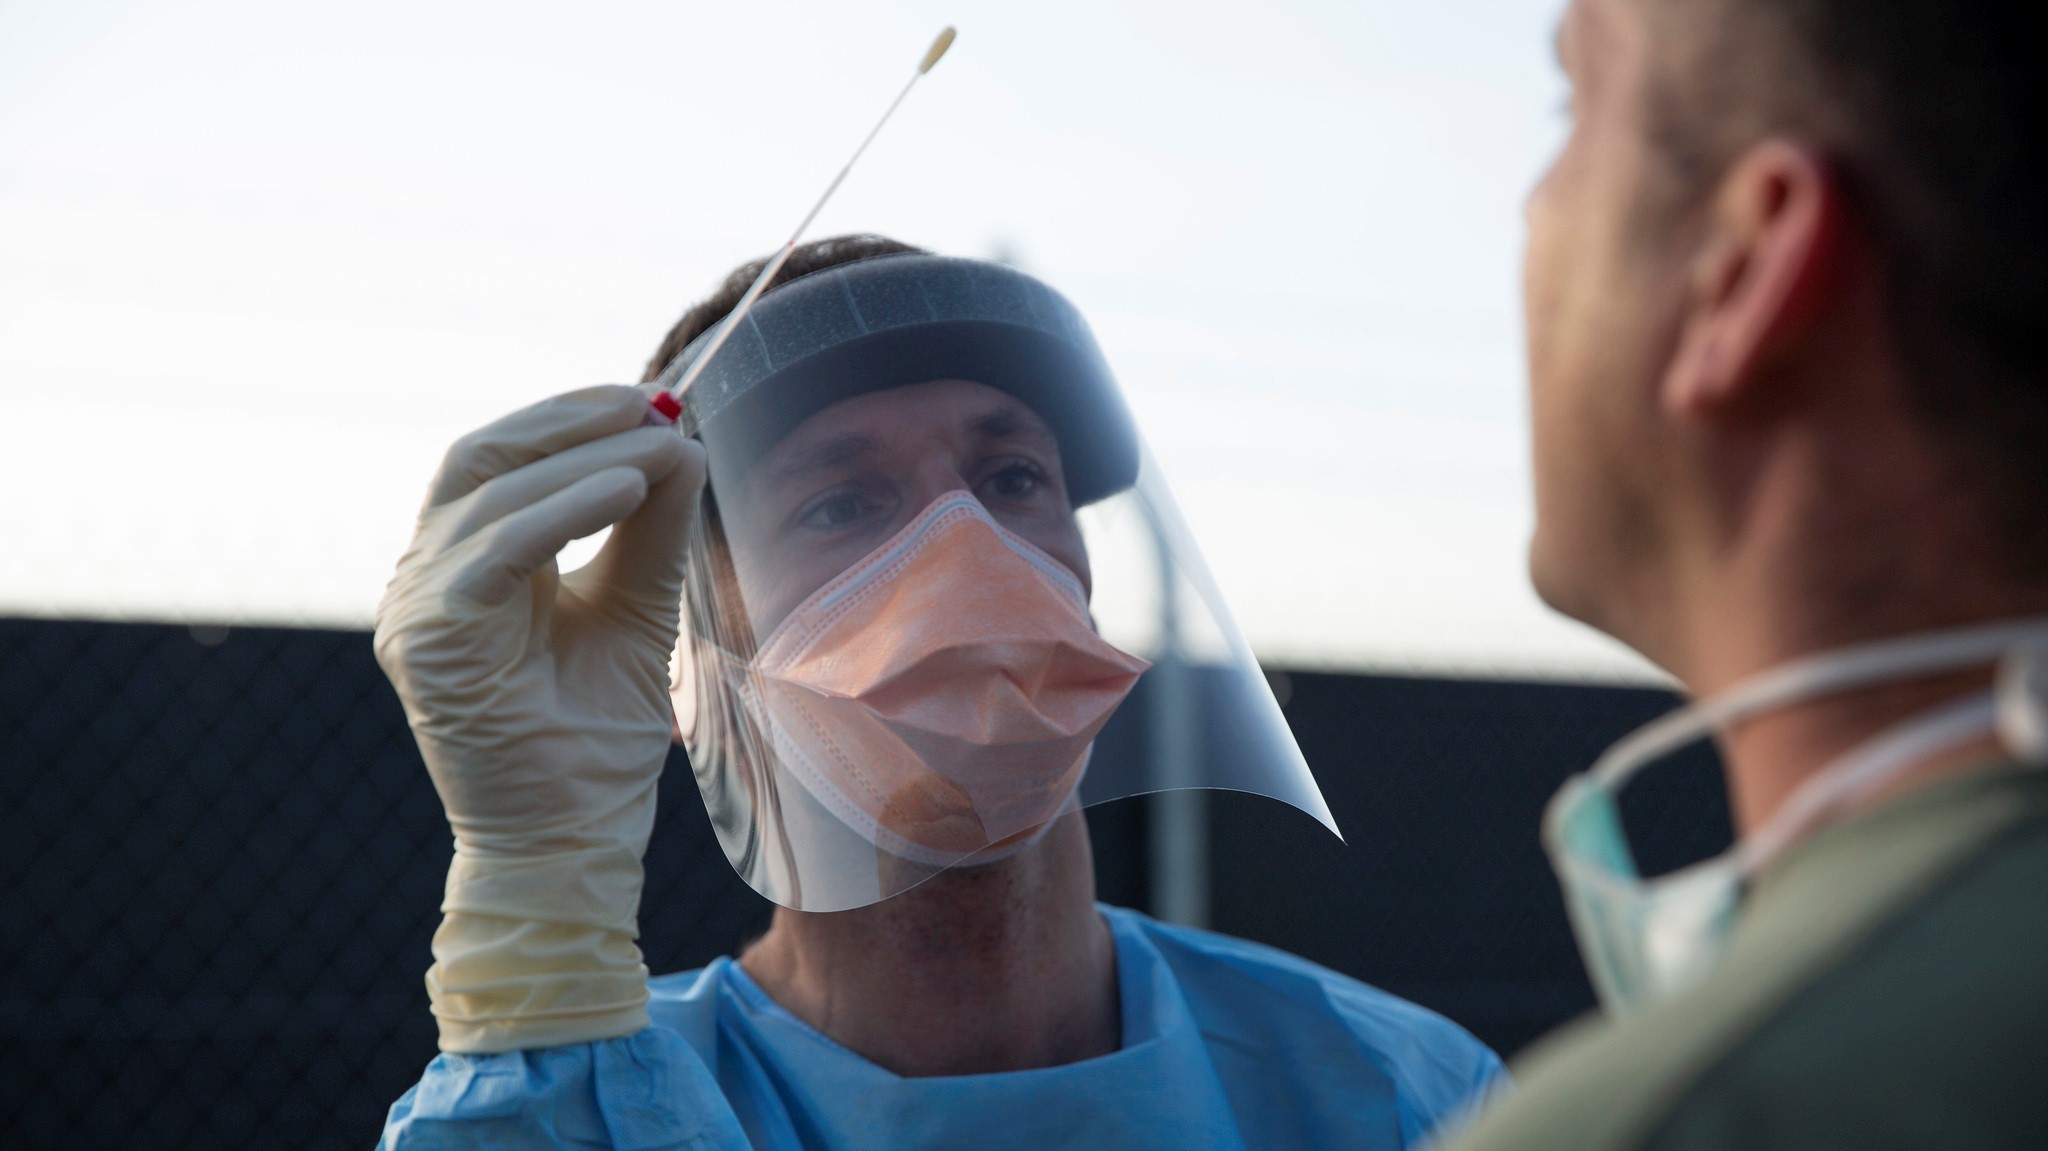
(1645, 939)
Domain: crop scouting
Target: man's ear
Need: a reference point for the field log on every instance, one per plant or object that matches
(1769, 266)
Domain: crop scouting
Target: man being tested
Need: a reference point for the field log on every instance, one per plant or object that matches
(1786, 289)
(889, 686)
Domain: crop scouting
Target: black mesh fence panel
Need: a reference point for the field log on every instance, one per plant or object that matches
(1441, 892)
(223, 863)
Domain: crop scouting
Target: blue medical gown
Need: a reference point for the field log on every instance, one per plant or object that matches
(1226, 1044)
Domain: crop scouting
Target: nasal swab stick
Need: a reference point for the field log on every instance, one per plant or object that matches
(667, 404)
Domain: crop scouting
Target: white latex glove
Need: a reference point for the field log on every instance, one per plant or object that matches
(541, 707)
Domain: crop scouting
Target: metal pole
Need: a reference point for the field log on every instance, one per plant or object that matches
(1179, 814)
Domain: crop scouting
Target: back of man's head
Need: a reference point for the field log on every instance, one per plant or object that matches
(1933, 114)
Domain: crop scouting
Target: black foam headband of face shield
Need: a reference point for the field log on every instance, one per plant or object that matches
(890, 321)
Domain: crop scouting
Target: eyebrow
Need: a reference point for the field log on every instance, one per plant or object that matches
(1007, 422)
(825, 455)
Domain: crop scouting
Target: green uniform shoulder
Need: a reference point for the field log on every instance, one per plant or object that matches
(1884, 989)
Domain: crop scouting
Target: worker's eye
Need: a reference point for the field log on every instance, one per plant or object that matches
(843, 508)
(1016, 480)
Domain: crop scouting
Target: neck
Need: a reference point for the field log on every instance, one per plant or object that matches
(1768, 759)
(1809, 570)
(977, 970)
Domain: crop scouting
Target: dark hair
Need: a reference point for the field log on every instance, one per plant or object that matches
(1934, 113)
(814, 256)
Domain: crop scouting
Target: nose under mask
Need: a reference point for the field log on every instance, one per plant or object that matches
(941, 695)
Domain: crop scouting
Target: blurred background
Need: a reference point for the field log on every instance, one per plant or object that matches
(260, 263)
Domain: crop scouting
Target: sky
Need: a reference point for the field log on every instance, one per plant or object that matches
(260, 263)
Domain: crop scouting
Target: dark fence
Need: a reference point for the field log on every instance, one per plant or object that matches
(223, 860)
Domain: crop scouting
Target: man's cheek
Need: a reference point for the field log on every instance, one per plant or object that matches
(1543, 285)
(1546, 217)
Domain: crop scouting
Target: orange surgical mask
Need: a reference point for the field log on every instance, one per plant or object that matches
(940, 696)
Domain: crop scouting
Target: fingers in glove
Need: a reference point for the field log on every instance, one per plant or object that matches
(642, 562)
(508, 552)
(656, 452)
(532, 433)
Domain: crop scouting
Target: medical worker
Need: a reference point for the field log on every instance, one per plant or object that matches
(925, 497)
(1787, 290)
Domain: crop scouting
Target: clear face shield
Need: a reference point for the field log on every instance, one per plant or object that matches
(933, 564)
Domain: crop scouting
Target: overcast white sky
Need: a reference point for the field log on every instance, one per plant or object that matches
(260, 262)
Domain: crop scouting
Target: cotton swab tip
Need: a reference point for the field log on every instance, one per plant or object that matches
(939, 47)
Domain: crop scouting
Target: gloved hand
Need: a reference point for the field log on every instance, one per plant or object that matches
(540, 703)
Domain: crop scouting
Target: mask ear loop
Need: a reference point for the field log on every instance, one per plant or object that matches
(1881, 758)
(2022, 700)
(1829, 673)
(2020, 714)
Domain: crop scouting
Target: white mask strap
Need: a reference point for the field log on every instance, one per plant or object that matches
(1868, 767)
(1829, 673)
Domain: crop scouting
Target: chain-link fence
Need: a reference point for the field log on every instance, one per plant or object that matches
(223, 863)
